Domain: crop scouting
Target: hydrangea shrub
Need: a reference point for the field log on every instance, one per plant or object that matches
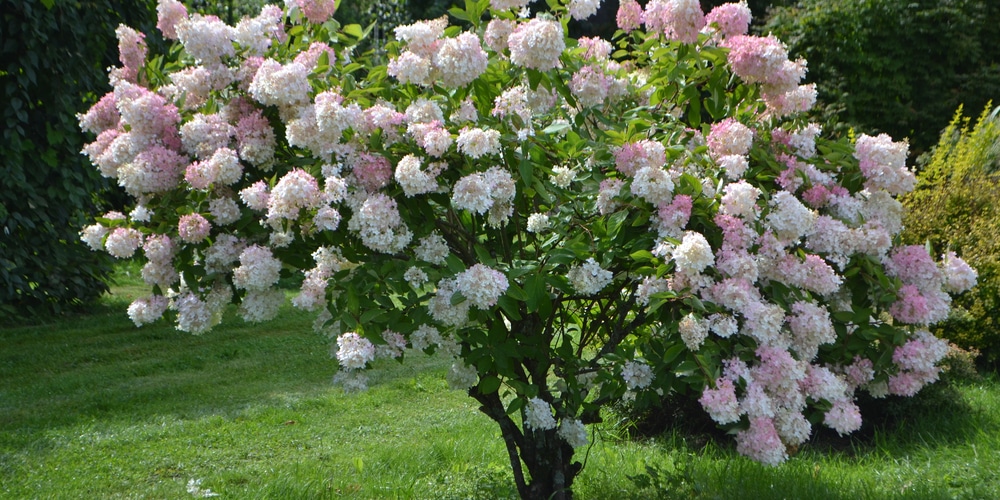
(573, 222)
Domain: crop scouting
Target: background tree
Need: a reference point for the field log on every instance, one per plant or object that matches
(54, 54)
(895, 66)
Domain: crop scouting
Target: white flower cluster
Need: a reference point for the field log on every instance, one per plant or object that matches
(694, 254)
(441, 308)
(573, 432)
(280, 85)
(462, 376)
(740, 200)
(538, 415)
(454, 61)
(206, 38)
(261, 305)
(147, 309)
(354, 351)
(481, 286)
(379, 224)
(653, 184)
(258, 269)
(477, 142)
(432, 248)
(789, 218)
(637, 375)
(537, 44)
(589, 278)
(562, 176)
(491, 191)
(295, 191)
(538, 223)
(693, 331)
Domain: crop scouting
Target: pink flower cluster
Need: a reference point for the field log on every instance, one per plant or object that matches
(679, 20)
(634, 156)
(731, 19)
(884, 164)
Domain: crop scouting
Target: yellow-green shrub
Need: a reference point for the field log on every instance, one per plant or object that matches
(956, 206)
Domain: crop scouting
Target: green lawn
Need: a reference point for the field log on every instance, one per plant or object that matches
(92, 407)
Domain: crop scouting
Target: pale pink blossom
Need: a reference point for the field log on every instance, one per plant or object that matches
(281, 85)
(679, 20)
(432, 248)
(102, 116)
(497, 34)
(693, 331)
(258, 269)
(147, 309)
(729, 137)
(317, 11)
(258, 306)
(720, 402)
(508, 4)
(460, 60)
(481, 285)
(122, 242)
(258, 33)
(295, 191)
(629, 16)
(169, 13)
(653, 184)
(731, 19)
(408, 67)
(633, 156)
(379, 224)
(422, 37)
(354, 351)
(582, 9)
(590, 86)
(761, 442)
(255, 139)
(537, 44)
(372, 172)
(477, 142)
(883, 162)
(206, 38)
(671, 218)
(959, 276)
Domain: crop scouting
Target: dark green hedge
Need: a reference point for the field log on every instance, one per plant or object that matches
(53, 60)
(896, 66)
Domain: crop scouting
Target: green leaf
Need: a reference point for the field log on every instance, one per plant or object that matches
(489, 384)
(535, 292)
(527, 170)
(515, 292)
(515, 405)
(457, 298)
(354, 30)
(371, 315)
(556, 128)
(642, 256)
(459, 14)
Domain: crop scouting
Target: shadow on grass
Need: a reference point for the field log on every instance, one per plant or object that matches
(101, 367)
